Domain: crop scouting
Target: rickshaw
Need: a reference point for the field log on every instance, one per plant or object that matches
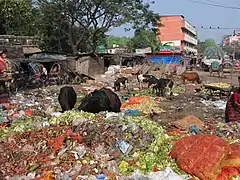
(56, 74)
(227, 67)
(215, 67)
(61, 74)
(34, 78)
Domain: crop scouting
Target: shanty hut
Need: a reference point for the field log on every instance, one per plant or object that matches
(89, 64)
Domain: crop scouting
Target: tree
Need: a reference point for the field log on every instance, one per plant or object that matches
(88, 20)
(144, 38)
(210, 42)
(18, 17)
(121, 41)
(228, 49)
(201, 47)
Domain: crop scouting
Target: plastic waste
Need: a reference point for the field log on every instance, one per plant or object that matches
(100, 177)
(132, 112)
(114, 115)
(167, 174)
(193, 129)
(81, 151)
(124, 146)
(56, 114)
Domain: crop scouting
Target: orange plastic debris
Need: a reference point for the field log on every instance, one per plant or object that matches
(56, 143)
(46, 176)
(3, 125)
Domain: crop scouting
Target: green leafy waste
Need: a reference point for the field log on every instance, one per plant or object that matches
(37, 122)
(157, 154)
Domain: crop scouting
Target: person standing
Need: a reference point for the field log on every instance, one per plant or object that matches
(3, 65)
(232, 111)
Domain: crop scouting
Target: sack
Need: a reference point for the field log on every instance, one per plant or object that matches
(200, 155)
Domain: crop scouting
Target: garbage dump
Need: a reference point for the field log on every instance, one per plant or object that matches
(38, 142)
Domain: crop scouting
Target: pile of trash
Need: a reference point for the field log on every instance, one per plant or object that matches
(142, 104)
(42, 143)
(78, 144)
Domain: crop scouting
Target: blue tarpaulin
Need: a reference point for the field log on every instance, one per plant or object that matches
(165, 59)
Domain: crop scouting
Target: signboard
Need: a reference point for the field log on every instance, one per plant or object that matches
(101, 48)
(169, 49)
(165, 49)
(143, 51)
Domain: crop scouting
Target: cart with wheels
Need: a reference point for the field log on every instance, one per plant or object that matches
(218, 91)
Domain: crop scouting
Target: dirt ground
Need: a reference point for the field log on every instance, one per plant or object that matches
(189, 103)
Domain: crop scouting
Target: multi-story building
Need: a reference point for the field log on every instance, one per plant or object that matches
(231, 39)
(177, 31)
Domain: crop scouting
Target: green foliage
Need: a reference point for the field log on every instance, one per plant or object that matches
(87, 21)
(145, 38)
(203, 45)
(73, 26)
(228, 49)
(19, 17)
(121, 41)
(210, 42)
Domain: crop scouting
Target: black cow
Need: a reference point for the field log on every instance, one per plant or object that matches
(115, 103)
(101, 100)
(161, 86)
(118, 82)
(145, 78)
(67, 98)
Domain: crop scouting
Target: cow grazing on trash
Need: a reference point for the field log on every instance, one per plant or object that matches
(67, 98)
(120, 81)
(101, 100)
(191, 76)
(145, 78)
(161, 85)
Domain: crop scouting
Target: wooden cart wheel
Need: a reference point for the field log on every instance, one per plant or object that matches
(77, 80)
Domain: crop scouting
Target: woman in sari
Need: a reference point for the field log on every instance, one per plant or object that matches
(232, 112)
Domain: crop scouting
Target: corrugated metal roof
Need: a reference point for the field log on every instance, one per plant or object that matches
(30, 50)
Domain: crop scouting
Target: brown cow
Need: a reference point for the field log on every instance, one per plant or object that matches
(191, 76)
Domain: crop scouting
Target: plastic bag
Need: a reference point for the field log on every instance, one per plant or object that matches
(167, 174)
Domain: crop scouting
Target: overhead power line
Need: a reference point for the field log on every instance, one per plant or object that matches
(215, 5)
(220, 28)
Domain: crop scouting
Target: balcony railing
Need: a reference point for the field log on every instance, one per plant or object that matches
(190, 28)
(189, 49)
(190, 39)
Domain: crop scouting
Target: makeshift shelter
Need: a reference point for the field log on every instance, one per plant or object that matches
(90, 64)
(47, 58)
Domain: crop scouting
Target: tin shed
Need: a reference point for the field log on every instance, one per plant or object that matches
(90, 65)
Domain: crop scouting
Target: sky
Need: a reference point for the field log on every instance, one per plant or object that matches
(198, 15)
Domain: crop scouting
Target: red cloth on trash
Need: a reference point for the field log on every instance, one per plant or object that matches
(202, 156)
